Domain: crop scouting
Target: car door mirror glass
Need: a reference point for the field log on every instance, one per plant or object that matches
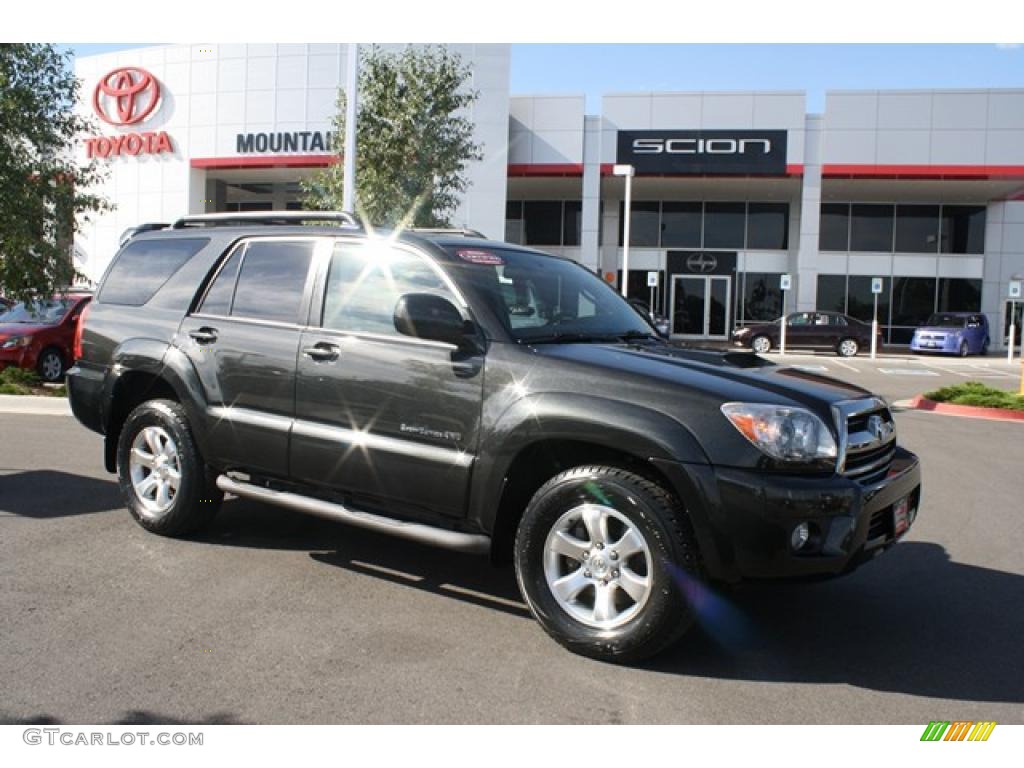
(432, 318)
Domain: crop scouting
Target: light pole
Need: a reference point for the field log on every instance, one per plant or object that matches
(627, 171)
(348, 187)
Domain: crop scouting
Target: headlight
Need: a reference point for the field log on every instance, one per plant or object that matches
(784, 433)
(742, 331)
(16, 341)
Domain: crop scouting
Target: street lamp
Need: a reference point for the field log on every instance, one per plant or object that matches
(627, 171)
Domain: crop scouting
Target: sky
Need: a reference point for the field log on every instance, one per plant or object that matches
(594, 69)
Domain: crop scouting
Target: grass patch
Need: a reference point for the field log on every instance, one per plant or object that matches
(977, 394)
(18, 381)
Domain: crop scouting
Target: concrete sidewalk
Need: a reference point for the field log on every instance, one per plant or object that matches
(36, 405)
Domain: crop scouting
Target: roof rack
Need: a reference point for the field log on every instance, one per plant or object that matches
(458, 232)
(267, 217)
(131, 232)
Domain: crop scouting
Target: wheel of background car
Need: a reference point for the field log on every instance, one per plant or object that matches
(605, 560)
(984, 347)
(965, 348)
(760, 344)
(163, 479)
(50, 365)
(848, 348)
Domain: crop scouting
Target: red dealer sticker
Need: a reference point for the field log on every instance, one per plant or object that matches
(480, 257)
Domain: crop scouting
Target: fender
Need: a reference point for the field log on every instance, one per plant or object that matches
(163, 361)
(642, 432)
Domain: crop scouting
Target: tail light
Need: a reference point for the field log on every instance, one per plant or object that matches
(76, 350)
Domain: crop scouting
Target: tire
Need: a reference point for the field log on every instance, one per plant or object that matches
(965, 349)
(984, 348)
(638, 620)
(50, 365)
(159, 431)
(848, 348)
(761, 344)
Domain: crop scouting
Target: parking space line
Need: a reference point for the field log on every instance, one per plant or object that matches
(906, 372)
(992, 373)
(846, 365)
(811, 368)
(944, 370)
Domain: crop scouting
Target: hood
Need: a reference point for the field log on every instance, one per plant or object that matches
(725, 376)
(20, 329)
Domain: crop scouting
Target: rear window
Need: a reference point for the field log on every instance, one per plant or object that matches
(143, 266)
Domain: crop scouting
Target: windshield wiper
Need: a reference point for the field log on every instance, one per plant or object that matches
(564, 338)
(636, 336)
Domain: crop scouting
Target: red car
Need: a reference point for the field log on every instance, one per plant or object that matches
(41, 338)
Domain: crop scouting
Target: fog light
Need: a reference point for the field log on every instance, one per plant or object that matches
(800, 536)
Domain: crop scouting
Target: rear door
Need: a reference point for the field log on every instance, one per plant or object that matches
(800, 330)
(387, 420)
(243, 340)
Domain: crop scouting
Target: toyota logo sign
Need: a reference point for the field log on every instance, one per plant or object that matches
(126, 96)
(702, 262)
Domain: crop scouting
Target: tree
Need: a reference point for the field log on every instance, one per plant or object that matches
(412, 146)
(43, 190)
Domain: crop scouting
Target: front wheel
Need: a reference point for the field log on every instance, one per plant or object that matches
(761, 344)
(848, 348)
(964, 349)
(604, 558)
(162, 475)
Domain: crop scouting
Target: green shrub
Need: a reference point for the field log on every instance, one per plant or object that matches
(19, 377)
(977, 394)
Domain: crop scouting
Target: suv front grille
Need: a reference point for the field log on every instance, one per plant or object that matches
(869, 441)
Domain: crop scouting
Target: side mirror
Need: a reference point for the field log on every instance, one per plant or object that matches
(431, 317)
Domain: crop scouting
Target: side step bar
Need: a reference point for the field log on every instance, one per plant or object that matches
(439, 537)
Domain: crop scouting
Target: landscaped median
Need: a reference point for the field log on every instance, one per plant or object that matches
(973, 399)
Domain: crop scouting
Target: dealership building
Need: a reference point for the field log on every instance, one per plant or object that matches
(730, 191)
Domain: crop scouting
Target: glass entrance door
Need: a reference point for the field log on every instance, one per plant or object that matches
(700, 306)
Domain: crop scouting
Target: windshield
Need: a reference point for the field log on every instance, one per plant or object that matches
(946, 321)
(49, 312)
(541, 299)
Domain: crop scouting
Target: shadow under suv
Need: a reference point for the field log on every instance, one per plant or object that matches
(483, 397)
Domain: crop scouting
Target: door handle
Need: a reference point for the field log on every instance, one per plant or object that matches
(322, 352)
(204, 335)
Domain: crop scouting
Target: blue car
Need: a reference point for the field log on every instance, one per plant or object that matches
(959, 333)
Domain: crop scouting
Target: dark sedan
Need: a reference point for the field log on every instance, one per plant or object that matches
(809, 330)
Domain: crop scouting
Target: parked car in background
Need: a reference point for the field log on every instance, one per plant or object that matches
(958, 333)
(5, 304)
(40, 337)
(659, 321)
(809, 330)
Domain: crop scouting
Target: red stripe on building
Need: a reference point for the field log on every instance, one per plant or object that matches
(522, 170)
(950, 172)
(264, 161)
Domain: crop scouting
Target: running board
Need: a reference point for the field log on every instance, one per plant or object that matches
(439, 537)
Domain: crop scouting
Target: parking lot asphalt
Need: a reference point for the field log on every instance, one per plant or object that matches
(272, 617)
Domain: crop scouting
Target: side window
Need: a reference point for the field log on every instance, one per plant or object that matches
(218, 298)
(364, 285)
(143, 266)
(802, 318)
(272, 280)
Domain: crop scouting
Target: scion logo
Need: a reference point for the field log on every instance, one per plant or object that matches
(702, 146)
(702, 263)
(126, 96)
(715, 153)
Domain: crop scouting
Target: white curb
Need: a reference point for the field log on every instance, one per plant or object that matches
(35, 405)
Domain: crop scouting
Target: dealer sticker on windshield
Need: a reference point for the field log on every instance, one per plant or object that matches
(476, 256)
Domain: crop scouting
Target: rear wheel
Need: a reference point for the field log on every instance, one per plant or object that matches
(50, 365)
(761, 344)
(984, 348)
(603, 558)
(848, 348)
(162, 475)
(964, 348)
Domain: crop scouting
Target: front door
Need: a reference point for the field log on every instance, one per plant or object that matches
(700, 306)
(386, 420)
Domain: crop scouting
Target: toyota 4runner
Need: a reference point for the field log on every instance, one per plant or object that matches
(482, 397)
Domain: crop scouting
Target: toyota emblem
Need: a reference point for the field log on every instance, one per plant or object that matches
(126, 96)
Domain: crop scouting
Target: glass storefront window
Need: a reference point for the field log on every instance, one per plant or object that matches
(958, 295)
(832, 293)
(768, 226)
(871, 227)
(963, 229)
(724, 225)
(681, 225)
(917, 228)
(572, 218)
(643, 224)
(543, 222)
(913, 300)
(514, 222)
(834, 234)
(762, 299)
(860, 302)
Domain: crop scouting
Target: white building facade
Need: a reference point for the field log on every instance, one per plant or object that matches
(923, 189)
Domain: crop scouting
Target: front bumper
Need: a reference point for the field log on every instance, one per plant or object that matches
(744, 519)
(947, 344)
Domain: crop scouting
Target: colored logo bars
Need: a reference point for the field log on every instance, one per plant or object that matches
(958, 730)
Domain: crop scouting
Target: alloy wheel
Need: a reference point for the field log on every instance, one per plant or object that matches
(155, 469)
